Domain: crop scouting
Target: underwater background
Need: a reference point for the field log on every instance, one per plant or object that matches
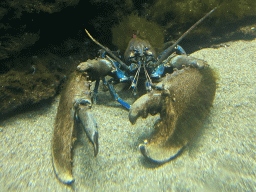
(221, 158)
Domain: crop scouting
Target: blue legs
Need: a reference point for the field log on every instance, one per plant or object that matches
(95, 91)
(160, 70)
(112, 92)
(116, 97)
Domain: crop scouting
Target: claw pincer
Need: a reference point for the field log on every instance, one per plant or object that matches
(183, 100)
(74, 109)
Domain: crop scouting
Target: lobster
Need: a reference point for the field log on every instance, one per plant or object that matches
(179, 87)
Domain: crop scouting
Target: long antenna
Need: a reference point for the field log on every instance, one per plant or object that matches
(108, 51)
(170, 49)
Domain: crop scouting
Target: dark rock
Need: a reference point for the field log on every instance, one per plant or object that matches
(30, 84)
(41, 43)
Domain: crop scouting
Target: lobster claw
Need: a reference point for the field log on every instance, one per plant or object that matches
(89, 125)
(74, 107)
(155, 149)
(183, 99)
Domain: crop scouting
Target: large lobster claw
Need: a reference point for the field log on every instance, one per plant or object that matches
(183, 100)
(75, 104)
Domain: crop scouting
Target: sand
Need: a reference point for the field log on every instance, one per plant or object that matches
(221, 158)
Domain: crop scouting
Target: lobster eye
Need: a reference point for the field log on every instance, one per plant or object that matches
(132, 55)
(148, 52)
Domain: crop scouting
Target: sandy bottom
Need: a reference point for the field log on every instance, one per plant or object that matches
(221, 158)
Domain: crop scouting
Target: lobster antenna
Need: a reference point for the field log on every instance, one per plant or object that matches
(136, 77)
(170, 49)
(147, 75)
(108, 51)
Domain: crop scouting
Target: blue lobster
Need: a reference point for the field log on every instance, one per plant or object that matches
(186, 91)
(141, 59)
